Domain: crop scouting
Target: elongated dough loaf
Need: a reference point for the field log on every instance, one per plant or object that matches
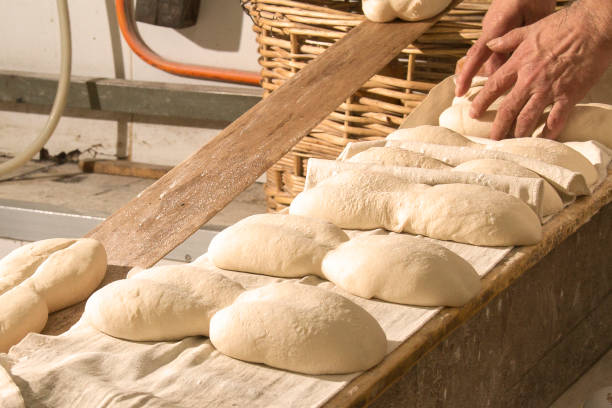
(382, 11)
(393, 156)
(299, 328)
(458, 212)
(283, 245)
(457, 118)
(402, 269)
(431, 134)
(42, 277)
(548, 151)
(552, 202)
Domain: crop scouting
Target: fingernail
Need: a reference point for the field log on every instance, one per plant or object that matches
(493, 43)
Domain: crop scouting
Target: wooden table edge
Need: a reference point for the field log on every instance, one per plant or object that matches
(365, 388)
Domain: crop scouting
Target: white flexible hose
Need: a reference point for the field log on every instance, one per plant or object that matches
(60, 97)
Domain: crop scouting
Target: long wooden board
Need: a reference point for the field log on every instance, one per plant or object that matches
(169, 211)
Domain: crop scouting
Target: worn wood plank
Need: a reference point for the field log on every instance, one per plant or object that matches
(170, 210)
(124, 168)
(373, 383)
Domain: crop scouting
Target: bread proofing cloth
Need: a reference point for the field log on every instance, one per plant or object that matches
(85, 368)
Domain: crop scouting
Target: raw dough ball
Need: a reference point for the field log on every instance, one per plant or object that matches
(162, 303)
(275, 244)
(552, 203)
(379, 11)
(402, 269)
(393, 156)
(459, 212)
(71, 274)
(431, 134)
(299, 328)
(21, 311)
(21, 263)
(457, 118)
(410, 10)
(549, 151)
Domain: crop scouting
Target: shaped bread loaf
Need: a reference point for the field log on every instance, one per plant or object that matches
(464, 213)
(285, 325)
(402, 269)
(275, 244)
(431, 134)
(552, 202)
(299, 328)
(42, 277)
(391, 268)
(393, 156)
(382, 11)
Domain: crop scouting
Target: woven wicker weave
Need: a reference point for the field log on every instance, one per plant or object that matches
(291, 33)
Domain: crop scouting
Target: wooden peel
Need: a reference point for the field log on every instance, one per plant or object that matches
(169, 211)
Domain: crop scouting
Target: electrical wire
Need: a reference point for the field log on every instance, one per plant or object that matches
(60, 97)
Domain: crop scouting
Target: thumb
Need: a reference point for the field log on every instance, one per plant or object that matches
(508, 42)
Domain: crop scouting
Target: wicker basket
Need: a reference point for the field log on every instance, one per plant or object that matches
(291, 33)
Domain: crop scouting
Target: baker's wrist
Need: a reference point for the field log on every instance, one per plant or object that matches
(597, 15)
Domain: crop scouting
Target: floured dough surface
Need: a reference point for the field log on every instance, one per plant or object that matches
(21, 311)
(164, 303)
(457, 118)
(402, 269)
(42, 277)
(549, 151)
(431, 134)
(21, 263)
(393, 156)
(299, 328)
(552, 202)
(464, 213)
(275, 244)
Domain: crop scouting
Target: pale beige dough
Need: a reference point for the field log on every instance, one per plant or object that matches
(457, 118)
(552, 202)
(275, 244)
(465, 213)
(22, 311)
(402, 269)
(21, 263)
(410, 10)
(592, 121)
(549, 151)
(299, 328)
(431, 134)
(45, 276)
(393, 156)
(159, 304)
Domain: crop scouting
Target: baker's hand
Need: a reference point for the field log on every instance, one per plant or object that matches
(502, 16)
(554, 61)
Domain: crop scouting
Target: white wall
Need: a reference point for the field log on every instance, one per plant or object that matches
(29, 41)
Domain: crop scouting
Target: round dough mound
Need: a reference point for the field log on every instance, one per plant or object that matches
(552, 203)
(163, 303)
(549, 151)
(393, 156)
(382, 11)
(431, 134)
(402, 269)
(471, 214)
(457, 118)
(281, 245)
(299, 328)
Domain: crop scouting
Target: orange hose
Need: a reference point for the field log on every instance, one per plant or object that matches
(130, 32)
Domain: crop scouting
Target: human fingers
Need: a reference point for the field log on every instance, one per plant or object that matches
(507, 113)
(527, 120)
(557, 118)
(496, 86)
(508, 42)
(474, 59)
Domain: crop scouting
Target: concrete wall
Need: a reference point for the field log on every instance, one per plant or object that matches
(29, 41)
